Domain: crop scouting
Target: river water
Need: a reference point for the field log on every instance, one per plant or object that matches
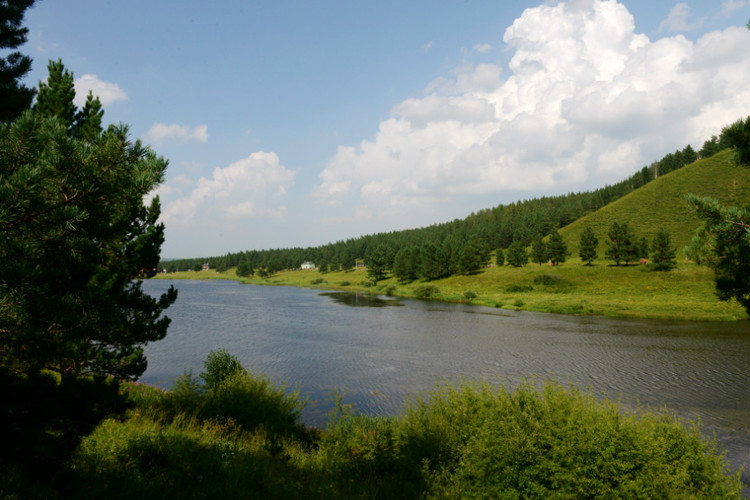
(378, 352)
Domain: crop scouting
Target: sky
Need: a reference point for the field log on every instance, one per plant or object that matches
(300, 123)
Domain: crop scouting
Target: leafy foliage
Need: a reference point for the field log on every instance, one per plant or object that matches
(219, 366)
(727, 236)
(456, 441)
(622, 244)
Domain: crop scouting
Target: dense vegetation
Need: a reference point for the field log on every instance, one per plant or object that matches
(240, 437)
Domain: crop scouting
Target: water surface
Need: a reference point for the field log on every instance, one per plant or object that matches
(378, 351)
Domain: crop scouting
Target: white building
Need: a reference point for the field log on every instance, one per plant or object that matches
(307, 265)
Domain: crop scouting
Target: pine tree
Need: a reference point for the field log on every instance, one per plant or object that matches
(74, 248)
(539, 251)
(516, 254)
(727, 234)
(663, 255)
(376, 264)
(500, 257)
(14, 97)
(56, 95)
(556, 248)
(587, 246)
(621, 244)
(88, 121)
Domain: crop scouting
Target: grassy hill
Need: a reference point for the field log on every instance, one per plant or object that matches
(572, 288)
(661, 203)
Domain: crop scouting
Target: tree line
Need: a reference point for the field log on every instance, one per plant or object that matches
(461, 246)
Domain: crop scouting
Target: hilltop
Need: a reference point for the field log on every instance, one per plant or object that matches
(661, 203)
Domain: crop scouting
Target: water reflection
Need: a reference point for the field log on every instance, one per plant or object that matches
(360, 299)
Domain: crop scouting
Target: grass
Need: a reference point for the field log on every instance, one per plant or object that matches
(685, 293)
(661, 203)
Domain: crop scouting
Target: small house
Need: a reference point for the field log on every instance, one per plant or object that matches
(206, 266)
(307, 265)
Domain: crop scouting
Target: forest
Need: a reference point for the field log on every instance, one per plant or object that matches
(461, 246)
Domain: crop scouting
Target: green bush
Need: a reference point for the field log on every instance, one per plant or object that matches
(388, 291)
(470, 295)
(253, 401)
(518, 303)
(368, 283)
(317, 281)
(516, 288)
(219, 366)
(547, 279)
(426, 291)
(557, 443)
(345, 283)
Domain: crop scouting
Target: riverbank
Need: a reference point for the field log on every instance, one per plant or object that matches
(685, 293)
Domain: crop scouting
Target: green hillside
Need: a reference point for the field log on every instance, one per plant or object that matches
(661, 203)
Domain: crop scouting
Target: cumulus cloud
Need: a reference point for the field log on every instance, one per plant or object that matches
(161, 132)
(253, 187)
(677, 20)
(108, 92)
(586, 100)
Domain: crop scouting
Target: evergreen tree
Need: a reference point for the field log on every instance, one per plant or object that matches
(556, 248)
(621, 244)
(244, 269)
(588, 245)
(737, 136)
(88, 121)
(663, 255)
(14, 97)
(727, 233)
(642, 248)
(500, 257)
(56, 95)
(431, 267)
(539, 251)
(516, 254)
(74, 249)
(376, 264)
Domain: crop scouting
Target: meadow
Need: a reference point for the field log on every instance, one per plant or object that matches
(635, 291)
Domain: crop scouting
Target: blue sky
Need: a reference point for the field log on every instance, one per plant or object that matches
(297, 123)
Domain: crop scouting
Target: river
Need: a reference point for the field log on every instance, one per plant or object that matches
(379, 351)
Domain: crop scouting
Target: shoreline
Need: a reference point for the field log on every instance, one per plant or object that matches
(685, 293)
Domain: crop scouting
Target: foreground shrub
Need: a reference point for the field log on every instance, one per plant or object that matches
(557, 443)
(426, 292)
(253, 401)
(219, 366)
(185, 459)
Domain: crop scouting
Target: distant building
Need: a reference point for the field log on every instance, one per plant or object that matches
(307, 265)
(206, 267)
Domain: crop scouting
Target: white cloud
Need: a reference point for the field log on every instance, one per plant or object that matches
(108, 92)
(251, 188)
(677, 20)
(730, 6)
(482, 48)
(426, 47)
(161, 132)
(587, 100)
